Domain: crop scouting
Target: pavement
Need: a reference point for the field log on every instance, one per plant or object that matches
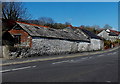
(5, 62)
(99, 66)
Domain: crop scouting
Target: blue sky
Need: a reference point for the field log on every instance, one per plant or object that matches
(61, 0)
(77, 13)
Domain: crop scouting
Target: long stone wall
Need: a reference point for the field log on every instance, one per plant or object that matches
(52, 46)
(44, 46)
(83, 46)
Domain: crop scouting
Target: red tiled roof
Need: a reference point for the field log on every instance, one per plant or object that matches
(32, 24)
(70, 26)
(115, 32)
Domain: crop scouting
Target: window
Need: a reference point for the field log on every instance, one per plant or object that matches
(17, 39)
(36, 27)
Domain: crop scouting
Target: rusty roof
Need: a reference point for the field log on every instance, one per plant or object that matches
(67, 33)
(32, 24)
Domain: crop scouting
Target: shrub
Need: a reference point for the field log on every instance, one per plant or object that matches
(107, 44)
(117, 41)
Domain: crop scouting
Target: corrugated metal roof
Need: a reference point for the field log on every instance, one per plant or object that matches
(67, 33)
(90, 34)
(113, 34)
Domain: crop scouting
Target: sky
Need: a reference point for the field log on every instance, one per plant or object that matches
(61, 0)
(77, 13)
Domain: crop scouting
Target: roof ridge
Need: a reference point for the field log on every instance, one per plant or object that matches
(32, 24)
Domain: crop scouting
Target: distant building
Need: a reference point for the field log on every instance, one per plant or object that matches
(109, 34)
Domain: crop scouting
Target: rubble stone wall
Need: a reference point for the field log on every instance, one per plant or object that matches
(96, 44)
(83, 46)
(44, 46)
(54, 46)
(1, 54)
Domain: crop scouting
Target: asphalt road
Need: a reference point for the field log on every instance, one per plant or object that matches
(90, 68)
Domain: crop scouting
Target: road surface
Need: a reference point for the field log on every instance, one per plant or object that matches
(91, 68)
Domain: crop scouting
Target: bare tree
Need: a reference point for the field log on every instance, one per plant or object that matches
(14, 11)
(0, 20)
(45, 20)
(96, 27)
(107, 26)
(67, 23)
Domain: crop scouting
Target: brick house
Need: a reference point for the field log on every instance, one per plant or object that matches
(22, 38)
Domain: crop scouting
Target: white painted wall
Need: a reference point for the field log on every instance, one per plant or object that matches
(106, 36)
(51, 46)
(96, 44)
(5, 50)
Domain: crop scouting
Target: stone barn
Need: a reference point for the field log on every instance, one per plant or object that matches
(44, 40)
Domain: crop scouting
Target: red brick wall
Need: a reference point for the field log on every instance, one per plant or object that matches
(25, 38)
